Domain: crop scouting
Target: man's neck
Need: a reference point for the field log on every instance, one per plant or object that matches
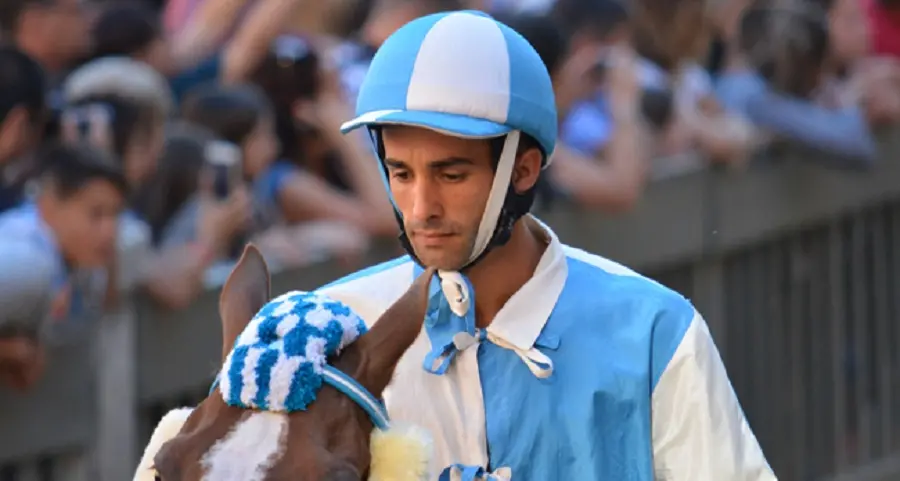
(504, 270)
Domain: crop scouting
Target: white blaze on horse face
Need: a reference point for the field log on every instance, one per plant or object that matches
(248, 452)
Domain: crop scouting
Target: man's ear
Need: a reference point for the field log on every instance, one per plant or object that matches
(527, 170)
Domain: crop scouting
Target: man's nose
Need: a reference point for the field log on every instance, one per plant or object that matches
(426, 201)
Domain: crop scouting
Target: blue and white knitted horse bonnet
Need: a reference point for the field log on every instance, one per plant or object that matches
(279, 362)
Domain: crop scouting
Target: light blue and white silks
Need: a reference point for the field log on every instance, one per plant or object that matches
(637, 392)
(589, 372)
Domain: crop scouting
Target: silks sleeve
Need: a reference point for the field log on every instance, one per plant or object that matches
(698, 428)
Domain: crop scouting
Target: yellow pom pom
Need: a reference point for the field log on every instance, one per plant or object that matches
(401, 453)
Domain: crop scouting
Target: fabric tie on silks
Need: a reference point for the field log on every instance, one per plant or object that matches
(450, 325)
(451, 328)
(279, 363)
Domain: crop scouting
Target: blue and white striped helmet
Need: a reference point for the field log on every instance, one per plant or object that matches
(467, 75)
(461, 73)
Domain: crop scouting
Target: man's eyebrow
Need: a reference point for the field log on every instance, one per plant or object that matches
(435, 164)
(451, 162)
(395, 163)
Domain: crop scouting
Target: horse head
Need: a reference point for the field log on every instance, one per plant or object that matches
(312, 416)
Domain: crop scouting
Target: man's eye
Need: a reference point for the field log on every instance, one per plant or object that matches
(401, 175)
(453, 177)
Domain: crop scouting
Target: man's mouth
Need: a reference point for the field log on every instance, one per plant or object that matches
(432, 238)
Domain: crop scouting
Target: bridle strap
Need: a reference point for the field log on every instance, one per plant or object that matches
(360, 395)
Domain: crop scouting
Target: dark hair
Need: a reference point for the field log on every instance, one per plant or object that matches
(69, 168)
(22, 83)
(177, 177)
(10, 12)
(435, 6)
(290, 71)
(667, 32)
(350, 20)
(125, 28)
(824, 5)
(425, 7)
(597, 18)
(231, 112)
(787, 43)
(430, 6)
(547, 36)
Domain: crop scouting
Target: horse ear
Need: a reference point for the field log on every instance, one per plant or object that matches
(245, 292)
(392, 335)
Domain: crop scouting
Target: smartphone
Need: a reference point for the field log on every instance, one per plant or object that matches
(657, 106)
(597, 72)
(224, 160)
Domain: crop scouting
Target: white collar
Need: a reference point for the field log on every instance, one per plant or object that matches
(523, 317)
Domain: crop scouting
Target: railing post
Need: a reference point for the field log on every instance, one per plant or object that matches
(116, 367)
(709, 297)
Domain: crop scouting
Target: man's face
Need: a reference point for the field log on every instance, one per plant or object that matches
(440, 185)
(86, 223)
(848, 30)
(69, 20)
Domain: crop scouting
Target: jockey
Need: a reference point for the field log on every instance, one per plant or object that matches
(537, 360)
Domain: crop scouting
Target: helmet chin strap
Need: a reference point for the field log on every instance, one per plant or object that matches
(453, 284)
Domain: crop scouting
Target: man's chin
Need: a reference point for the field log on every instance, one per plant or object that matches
(440, 262)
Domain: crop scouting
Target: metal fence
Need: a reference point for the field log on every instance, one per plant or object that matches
(796, 268)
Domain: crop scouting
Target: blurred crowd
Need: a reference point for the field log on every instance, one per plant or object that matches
(143, 143)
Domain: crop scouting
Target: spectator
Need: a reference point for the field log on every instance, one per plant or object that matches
(199, 54)
(72, 223)
(780, 56)
(671, 36)
(177, 178)
(243, 115)
(28, 22)
(22, 111)
(22, 116)
(850, 78)
(132, 29)
(175, 273)
(121, 105)
(587, 168)
(128, 99)
(26, 305)
(309, 109)
(194, 55)
(170, 208)
(848, 31)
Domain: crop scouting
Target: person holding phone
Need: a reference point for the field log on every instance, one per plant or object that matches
(599, 161)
